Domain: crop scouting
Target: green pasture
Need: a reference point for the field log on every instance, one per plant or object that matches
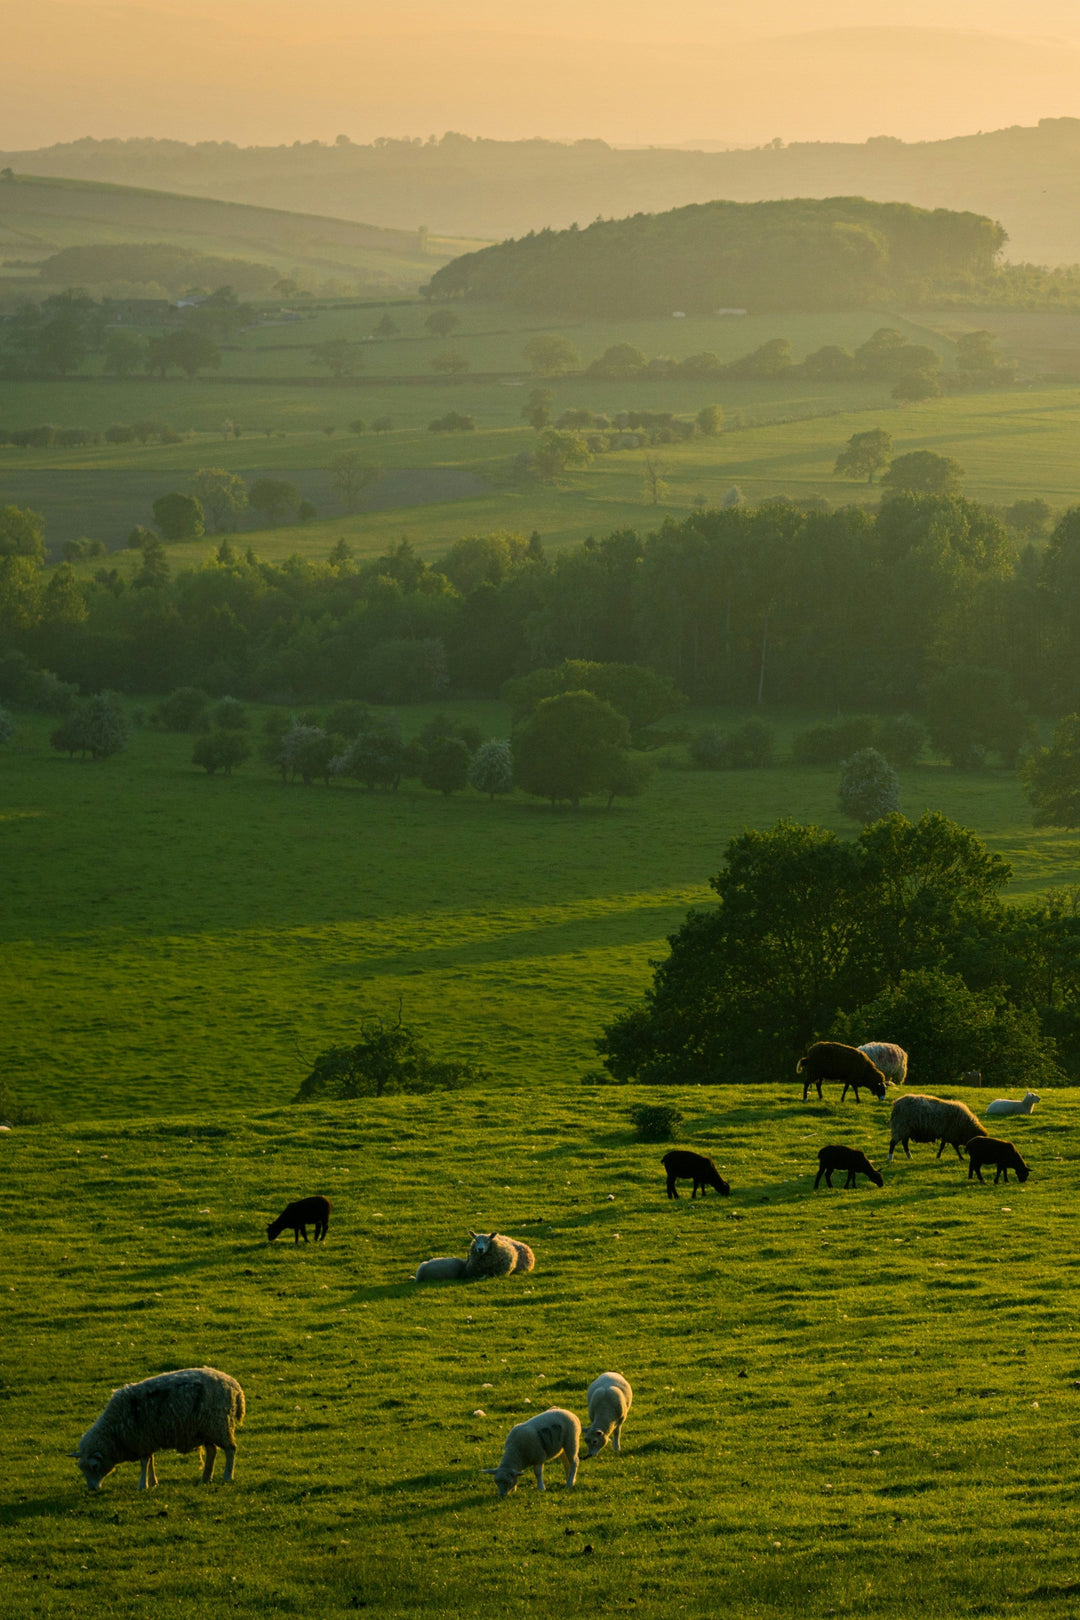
(848, 1404)
(170, 940)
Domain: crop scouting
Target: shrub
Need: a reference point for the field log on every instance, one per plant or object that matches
(96, 726)
(453, 422)
(492, 770)
(869, 787)
(305, 751)
(708, 748)
(901, 739)
(382, 1063)
(220, 751)
(7, 727)
(832, 743)
(229, 714)
(655, 1122)
(183, 710)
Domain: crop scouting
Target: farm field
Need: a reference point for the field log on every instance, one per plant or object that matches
(856, 1403)
(212, 935)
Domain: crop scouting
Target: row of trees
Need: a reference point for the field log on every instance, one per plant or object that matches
(56, 337)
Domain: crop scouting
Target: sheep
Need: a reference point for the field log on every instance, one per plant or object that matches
(176, 1411)
(695, 1167)
(493, 1255)
(297, 1216)
(916, 1118)
(610, 1398)
(550, 1434)
(1005, 1105)
(990, 1150)
(890, 1059)
(849, 1159)
(442, 1269)
(831, 1060)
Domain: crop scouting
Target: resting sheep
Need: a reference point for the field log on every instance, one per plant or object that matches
(610, 1398)
(831, 1060)
(929, 1119)
(550, 1434)
(493, 1255)
(695, 1167)
(299, 1215)
(849, 1159)
(444, 1268)
(890, 1059)
(990, 1150)
(1004, 1105)
(176, 1411)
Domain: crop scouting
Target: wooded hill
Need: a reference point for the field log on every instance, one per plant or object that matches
(1027, 177)
(839, 253)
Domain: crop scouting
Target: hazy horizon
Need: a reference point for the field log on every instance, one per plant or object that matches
(260, 72)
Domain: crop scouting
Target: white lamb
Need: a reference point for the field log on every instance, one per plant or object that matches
(550, 1434)
(890, 1059)
(1005, 1105)
(176, 1411)
(443, 1268)
(610, 1398)
(493, 1255)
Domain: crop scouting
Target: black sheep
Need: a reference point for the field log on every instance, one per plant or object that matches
(989, 1150)
(299, 1215)
(700, 1170)
(849, 1159)
(832, 1060)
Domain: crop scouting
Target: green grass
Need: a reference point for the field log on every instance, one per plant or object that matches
(845, 1403)
(171, 940)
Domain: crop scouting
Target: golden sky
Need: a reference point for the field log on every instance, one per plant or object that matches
(630, 71)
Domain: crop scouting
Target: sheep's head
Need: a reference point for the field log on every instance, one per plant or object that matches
(595, 1440)
(505, 1478)
(93, 1467)
(1022, 1171)
(876, 1177)
(481, 1241)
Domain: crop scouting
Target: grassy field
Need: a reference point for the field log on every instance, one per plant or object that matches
(846, 1404)
(170, 940)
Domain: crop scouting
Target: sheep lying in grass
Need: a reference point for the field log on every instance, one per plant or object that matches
(550, 1434)
(299, 1215)
(445, 1268)
(832, 1060)
(176, 1411)
(695, 1167)
(493, 1255)
(990, 1150)
(610, 1398)
(1004, 1105)
(929, 1119)
(849, 1159)
(890, 1059)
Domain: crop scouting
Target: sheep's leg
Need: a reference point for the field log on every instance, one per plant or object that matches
(844, 1093)
(147, 1476)
(570, 1464)
(208, 1465)
(672, 1190)
(972, 1168)
(817, 1179)
(615, 1435)
(1003, 1170)
(230, 1459)
(538, 1470)
(850, 1182)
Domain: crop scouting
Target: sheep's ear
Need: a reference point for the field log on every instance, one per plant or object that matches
(492, 1235)
(74, 1454)
(489, 1470)
(471, 1232)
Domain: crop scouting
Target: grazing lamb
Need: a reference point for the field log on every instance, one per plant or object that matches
(610, 1398)
(1005, 1105)
(443, 1269)
(890, 1059)
(831, 1060)
(298, 1215)
(849, 1159)
(493, 1255)
(929, 1119)
(176, 1411)
(989, 1150)
(696, 1168)
(550, 1434)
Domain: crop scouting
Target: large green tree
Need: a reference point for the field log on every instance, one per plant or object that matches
(1051, 777)
(565, 748)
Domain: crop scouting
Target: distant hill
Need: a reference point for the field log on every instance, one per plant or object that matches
(839, 253)
(1028, 178)
(43, 219)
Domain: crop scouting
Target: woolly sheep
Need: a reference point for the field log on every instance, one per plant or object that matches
(695, 1167)
(493, 1255)
(610, 1398)
(550, 1434)
(299, 1215)
(1003, 1155)
(1005, 1105)
(849, 1159)
(442, 1269)
(176, 1411)
(890, 1059)
(832, 1060)
(916, 1118)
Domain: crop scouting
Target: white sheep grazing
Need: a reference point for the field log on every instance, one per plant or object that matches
(493, 1255)
(890, 1059)
(610, 1398)
(1005, 1105)
(176, 1411)
(550, 1434)
(916, 1118)
(443, 1268)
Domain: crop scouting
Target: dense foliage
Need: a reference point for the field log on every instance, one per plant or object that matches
(381, 1063)
(839, 253)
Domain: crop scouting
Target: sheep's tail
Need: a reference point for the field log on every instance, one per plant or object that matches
(798, 1066)
(241, 1406)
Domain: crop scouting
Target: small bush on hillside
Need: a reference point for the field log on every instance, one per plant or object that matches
(749, 747)
(901, 739)
(492, 770)
(96, 726)
(655, 1122)
(229, 714)
(869, 787)
(27, 687)
(8, 727)
(832, 743)
(183, 710)
(382, 1063)
(220, 751)
(452, 422)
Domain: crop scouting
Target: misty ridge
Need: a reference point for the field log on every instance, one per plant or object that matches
(1028, 178)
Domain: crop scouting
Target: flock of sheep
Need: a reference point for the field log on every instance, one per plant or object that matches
(200, 1408)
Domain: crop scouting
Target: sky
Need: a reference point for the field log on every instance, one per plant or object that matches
(628, 71)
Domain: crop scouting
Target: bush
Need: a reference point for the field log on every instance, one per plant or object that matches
(655, 1122)
(452, 422)
(405, 670)
(834, 742)
(183, 710)
(8, 727)
(220, 751)
(383, 1063)
(869, 787)
(96, 726)
(492, 770)
(229, 714)
(901, 739)
(708, 748)
(305, 752)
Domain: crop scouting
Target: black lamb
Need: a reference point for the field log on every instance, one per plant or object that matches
(695, 1167)
(989, 1150)
(849, 1159)
(832, 1060)
(301, 1214)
